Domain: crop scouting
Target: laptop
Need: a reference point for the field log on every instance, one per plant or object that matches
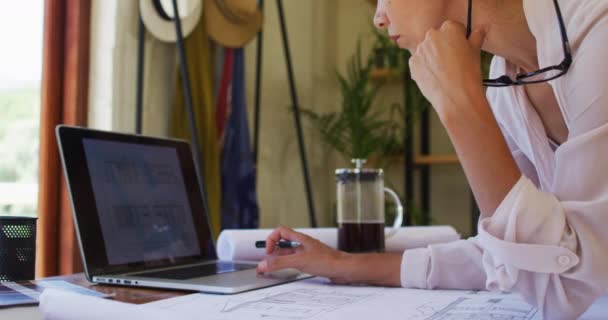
(140, 216)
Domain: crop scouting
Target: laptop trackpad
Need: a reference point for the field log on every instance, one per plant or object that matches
(251, 277)
(284, 274)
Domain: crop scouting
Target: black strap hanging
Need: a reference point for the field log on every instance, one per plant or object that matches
(194, 143)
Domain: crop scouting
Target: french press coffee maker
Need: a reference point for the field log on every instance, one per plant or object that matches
(360, 204)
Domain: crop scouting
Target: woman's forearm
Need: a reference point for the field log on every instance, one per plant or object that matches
(483, 153)
(381, 269)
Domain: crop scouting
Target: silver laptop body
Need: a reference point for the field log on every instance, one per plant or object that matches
(141, 218)
(221, 283)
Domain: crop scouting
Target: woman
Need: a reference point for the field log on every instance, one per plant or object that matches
(532, 151)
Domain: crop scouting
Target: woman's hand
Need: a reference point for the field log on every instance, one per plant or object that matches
(316, 258)
(311, 257)
(447, 68)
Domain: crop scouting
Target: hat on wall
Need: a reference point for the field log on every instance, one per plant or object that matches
(157, 16)
(233, 23)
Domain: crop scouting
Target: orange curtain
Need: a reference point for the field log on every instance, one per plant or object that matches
(64, 94)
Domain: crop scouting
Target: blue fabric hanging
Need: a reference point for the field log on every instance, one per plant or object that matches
(239, 197)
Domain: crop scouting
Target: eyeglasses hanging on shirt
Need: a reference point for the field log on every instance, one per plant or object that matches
(539, 76)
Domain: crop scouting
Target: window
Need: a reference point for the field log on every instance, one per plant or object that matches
(21, 30)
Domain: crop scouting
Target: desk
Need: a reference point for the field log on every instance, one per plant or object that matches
(400, 297)
(123, 294)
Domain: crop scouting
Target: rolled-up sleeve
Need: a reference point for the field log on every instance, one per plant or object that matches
(454, 265)
(527, 232)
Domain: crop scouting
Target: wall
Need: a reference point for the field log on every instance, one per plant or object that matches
(112, 90)
(280, 183)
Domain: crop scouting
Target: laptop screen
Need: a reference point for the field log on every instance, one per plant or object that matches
(137, 203)
(141, 201)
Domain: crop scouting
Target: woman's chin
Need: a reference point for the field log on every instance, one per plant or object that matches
(401, 43)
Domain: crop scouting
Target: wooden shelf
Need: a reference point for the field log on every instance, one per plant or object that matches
(385, 75)
(420, 160)
(436, 159)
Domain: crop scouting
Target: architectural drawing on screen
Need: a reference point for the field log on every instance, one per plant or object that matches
(126, 172)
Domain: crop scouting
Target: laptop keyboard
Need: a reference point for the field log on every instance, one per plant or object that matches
(196, 271)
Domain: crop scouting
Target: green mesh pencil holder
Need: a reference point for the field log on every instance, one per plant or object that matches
(17, 248)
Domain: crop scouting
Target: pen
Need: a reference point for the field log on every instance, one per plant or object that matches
(281, 244)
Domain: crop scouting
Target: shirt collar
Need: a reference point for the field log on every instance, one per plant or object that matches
(543, 23)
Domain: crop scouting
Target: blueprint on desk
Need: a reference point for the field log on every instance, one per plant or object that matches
(318, 299)
(310, 299)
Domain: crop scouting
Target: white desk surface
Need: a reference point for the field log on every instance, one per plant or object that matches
(21, 313)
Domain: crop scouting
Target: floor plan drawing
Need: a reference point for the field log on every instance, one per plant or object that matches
(301, 303)
(319, 300)
(296, 301)
(478, 309)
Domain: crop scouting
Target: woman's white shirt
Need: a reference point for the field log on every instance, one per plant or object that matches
(547, 240)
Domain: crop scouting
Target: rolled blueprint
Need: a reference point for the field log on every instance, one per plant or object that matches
(240, 244)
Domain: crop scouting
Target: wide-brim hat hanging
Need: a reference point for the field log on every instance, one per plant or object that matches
(157, 16)
(233, 23)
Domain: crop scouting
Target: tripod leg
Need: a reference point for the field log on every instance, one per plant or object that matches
(408, 148)
(140, 77)
(196, 147)
(475, 213)
(258, 86)
(296, 113)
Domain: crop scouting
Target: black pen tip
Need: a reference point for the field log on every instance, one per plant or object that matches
(260, 244)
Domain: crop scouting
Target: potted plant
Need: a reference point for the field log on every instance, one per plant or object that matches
(363, 129)
(360, 129)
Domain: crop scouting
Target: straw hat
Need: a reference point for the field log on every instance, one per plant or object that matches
(157, 16)
(233, 23)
